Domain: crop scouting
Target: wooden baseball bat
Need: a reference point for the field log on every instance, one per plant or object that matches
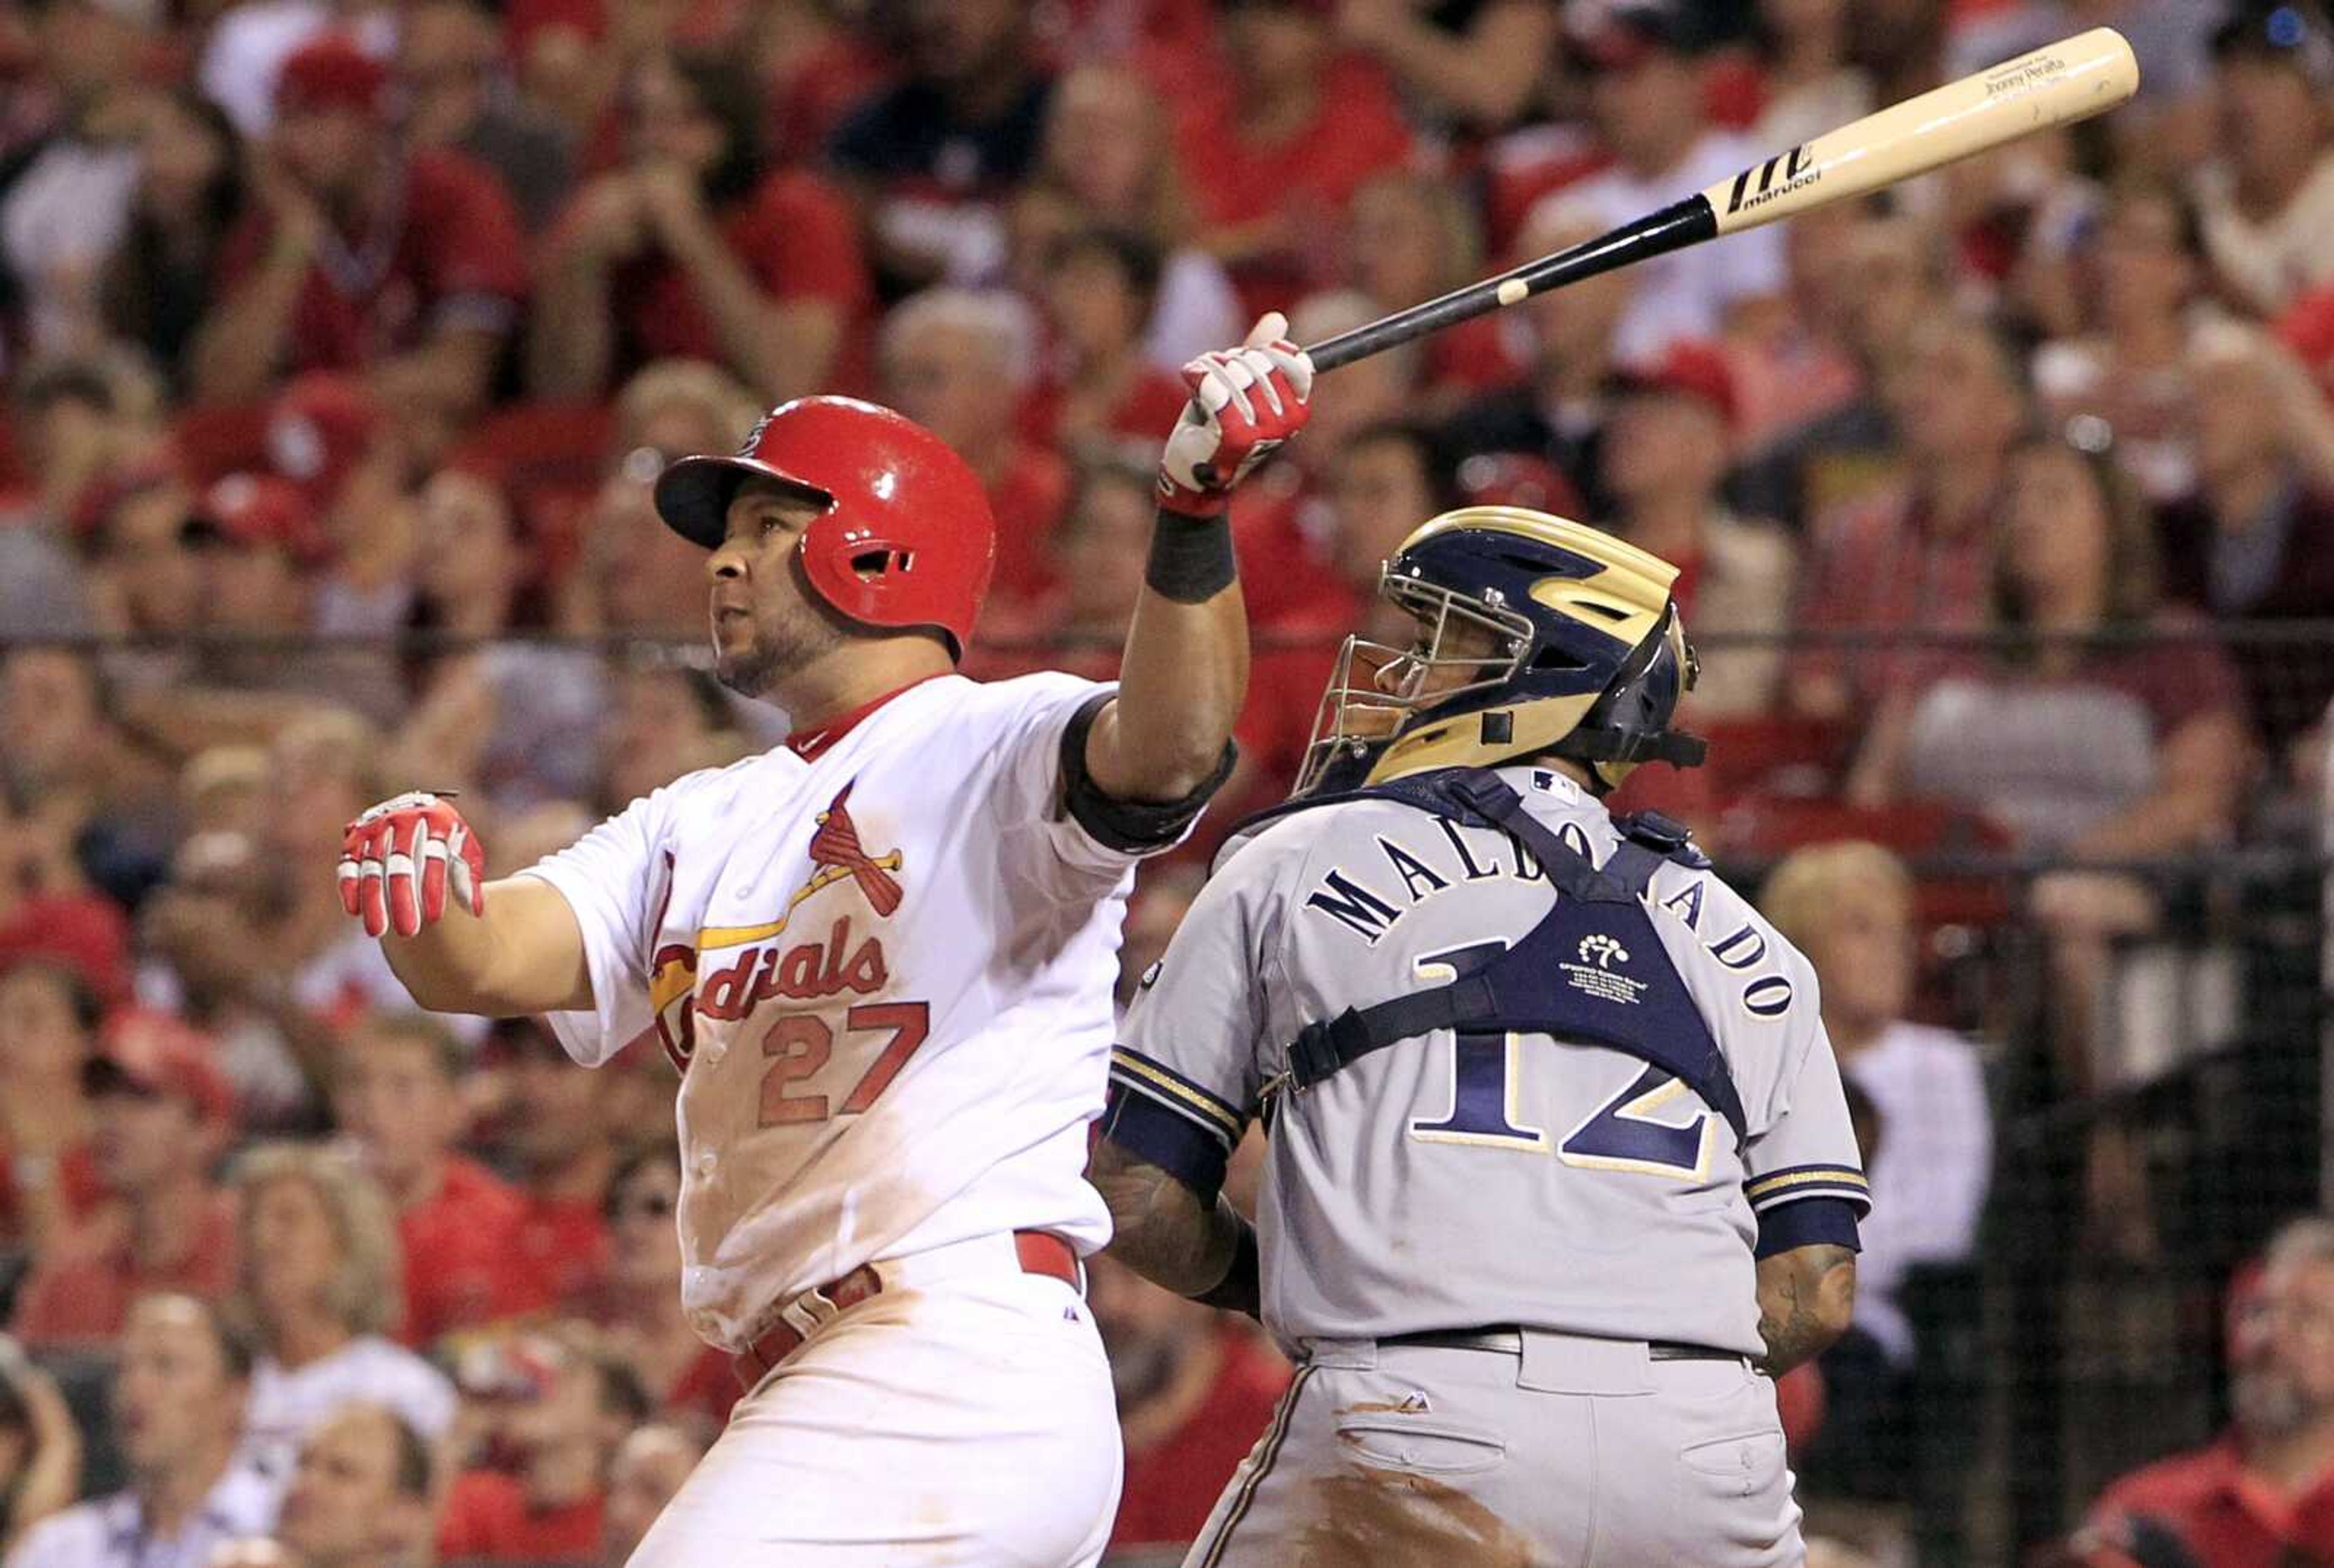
(2071, 80)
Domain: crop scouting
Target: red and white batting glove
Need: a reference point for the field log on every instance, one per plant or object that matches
(398, 859)
(1245, 402)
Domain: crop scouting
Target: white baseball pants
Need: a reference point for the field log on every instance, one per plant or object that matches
(966, 1420)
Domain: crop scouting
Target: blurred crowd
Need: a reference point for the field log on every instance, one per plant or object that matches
(340, 341)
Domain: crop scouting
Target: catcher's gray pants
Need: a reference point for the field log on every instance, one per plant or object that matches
(1565, 1452)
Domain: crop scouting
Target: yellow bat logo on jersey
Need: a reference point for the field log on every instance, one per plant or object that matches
(805, 971)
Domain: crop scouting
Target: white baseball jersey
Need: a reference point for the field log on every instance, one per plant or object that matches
(884, 969)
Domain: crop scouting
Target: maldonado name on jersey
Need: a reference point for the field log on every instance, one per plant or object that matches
(1430, 861)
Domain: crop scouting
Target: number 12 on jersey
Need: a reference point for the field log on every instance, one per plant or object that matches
(1623, 1134)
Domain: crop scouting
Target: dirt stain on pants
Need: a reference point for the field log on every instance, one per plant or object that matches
(1396, 1519)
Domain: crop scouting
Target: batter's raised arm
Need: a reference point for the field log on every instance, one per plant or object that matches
(1185, 672)
(413, 871)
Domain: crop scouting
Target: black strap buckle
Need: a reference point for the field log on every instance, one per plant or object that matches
(1313, 1055)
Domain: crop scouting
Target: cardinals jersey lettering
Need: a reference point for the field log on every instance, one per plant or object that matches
(1452, 1181)
(885, 974)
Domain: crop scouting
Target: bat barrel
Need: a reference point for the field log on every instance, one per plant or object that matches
(2070, 79)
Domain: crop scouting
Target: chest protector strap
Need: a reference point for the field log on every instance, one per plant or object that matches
(1594, 969)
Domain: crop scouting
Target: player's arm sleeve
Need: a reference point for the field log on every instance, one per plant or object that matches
(1086, 830)
(1802, 1174)
(1184, 1081)
(614, 877)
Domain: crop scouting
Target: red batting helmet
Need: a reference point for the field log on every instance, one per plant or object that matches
(907, 538)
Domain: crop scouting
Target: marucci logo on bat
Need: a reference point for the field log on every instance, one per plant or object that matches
(1797, 174)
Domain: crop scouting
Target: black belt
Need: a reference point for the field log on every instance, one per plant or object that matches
(1509, 1339)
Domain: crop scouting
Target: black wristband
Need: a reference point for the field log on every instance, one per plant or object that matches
(1191, 558)
(1241, 1290)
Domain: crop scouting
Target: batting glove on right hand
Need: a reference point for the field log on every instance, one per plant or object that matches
(1245, 402)
(399, 858)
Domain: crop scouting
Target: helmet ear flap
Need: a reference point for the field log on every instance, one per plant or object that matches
(1631, 722)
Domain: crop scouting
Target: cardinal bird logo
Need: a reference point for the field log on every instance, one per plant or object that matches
(837, 853)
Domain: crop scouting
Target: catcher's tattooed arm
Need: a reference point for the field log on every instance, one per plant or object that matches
(1806, 1297)
(1168, 1234)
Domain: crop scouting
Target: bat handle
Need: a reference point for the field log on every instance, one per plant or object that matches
(1376, 337)
(1673, 228)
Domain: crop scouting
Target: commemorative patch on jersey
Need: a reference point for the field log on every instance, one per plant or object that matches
(1601, 971)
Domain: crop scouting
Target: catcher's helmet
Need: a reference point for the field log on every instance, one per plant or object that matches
(1586, 657)
(907, 538)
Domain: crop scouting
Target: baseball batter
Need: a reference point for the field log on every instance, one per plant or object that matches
(1559, 1162)
(881, 955)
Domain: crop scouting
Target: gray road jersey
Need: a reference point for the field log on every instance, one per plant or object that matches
(1446, 1181)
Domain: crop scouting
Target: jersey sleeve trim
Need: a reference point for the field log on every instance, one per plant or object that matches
(1192, 1152)
(1816, 1222)
(1178, 1094)
(1799, 1182)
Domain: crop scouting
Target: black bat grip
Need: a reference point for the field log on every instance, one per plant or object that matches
(1673, 228)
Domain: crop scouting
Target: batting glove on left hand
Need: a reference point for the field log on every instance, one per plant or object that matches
(399, 858)
(1245, 402)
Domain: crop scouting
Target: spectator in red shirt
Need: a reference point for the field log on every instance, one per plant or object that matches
(637, 1306)
(2263, 1495)
(959, 363)
(458, 1226)
(49, 1178)
(1097, 291)
(1664, 462)
(560, 1409)
(558, 1127)
(2096, 753)
(689, 250)
(163, 1114)
(361, 1494)
(407, 266)
(1919, 553)
(1195, 1389)
(1275, 142)
(649, 1468)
